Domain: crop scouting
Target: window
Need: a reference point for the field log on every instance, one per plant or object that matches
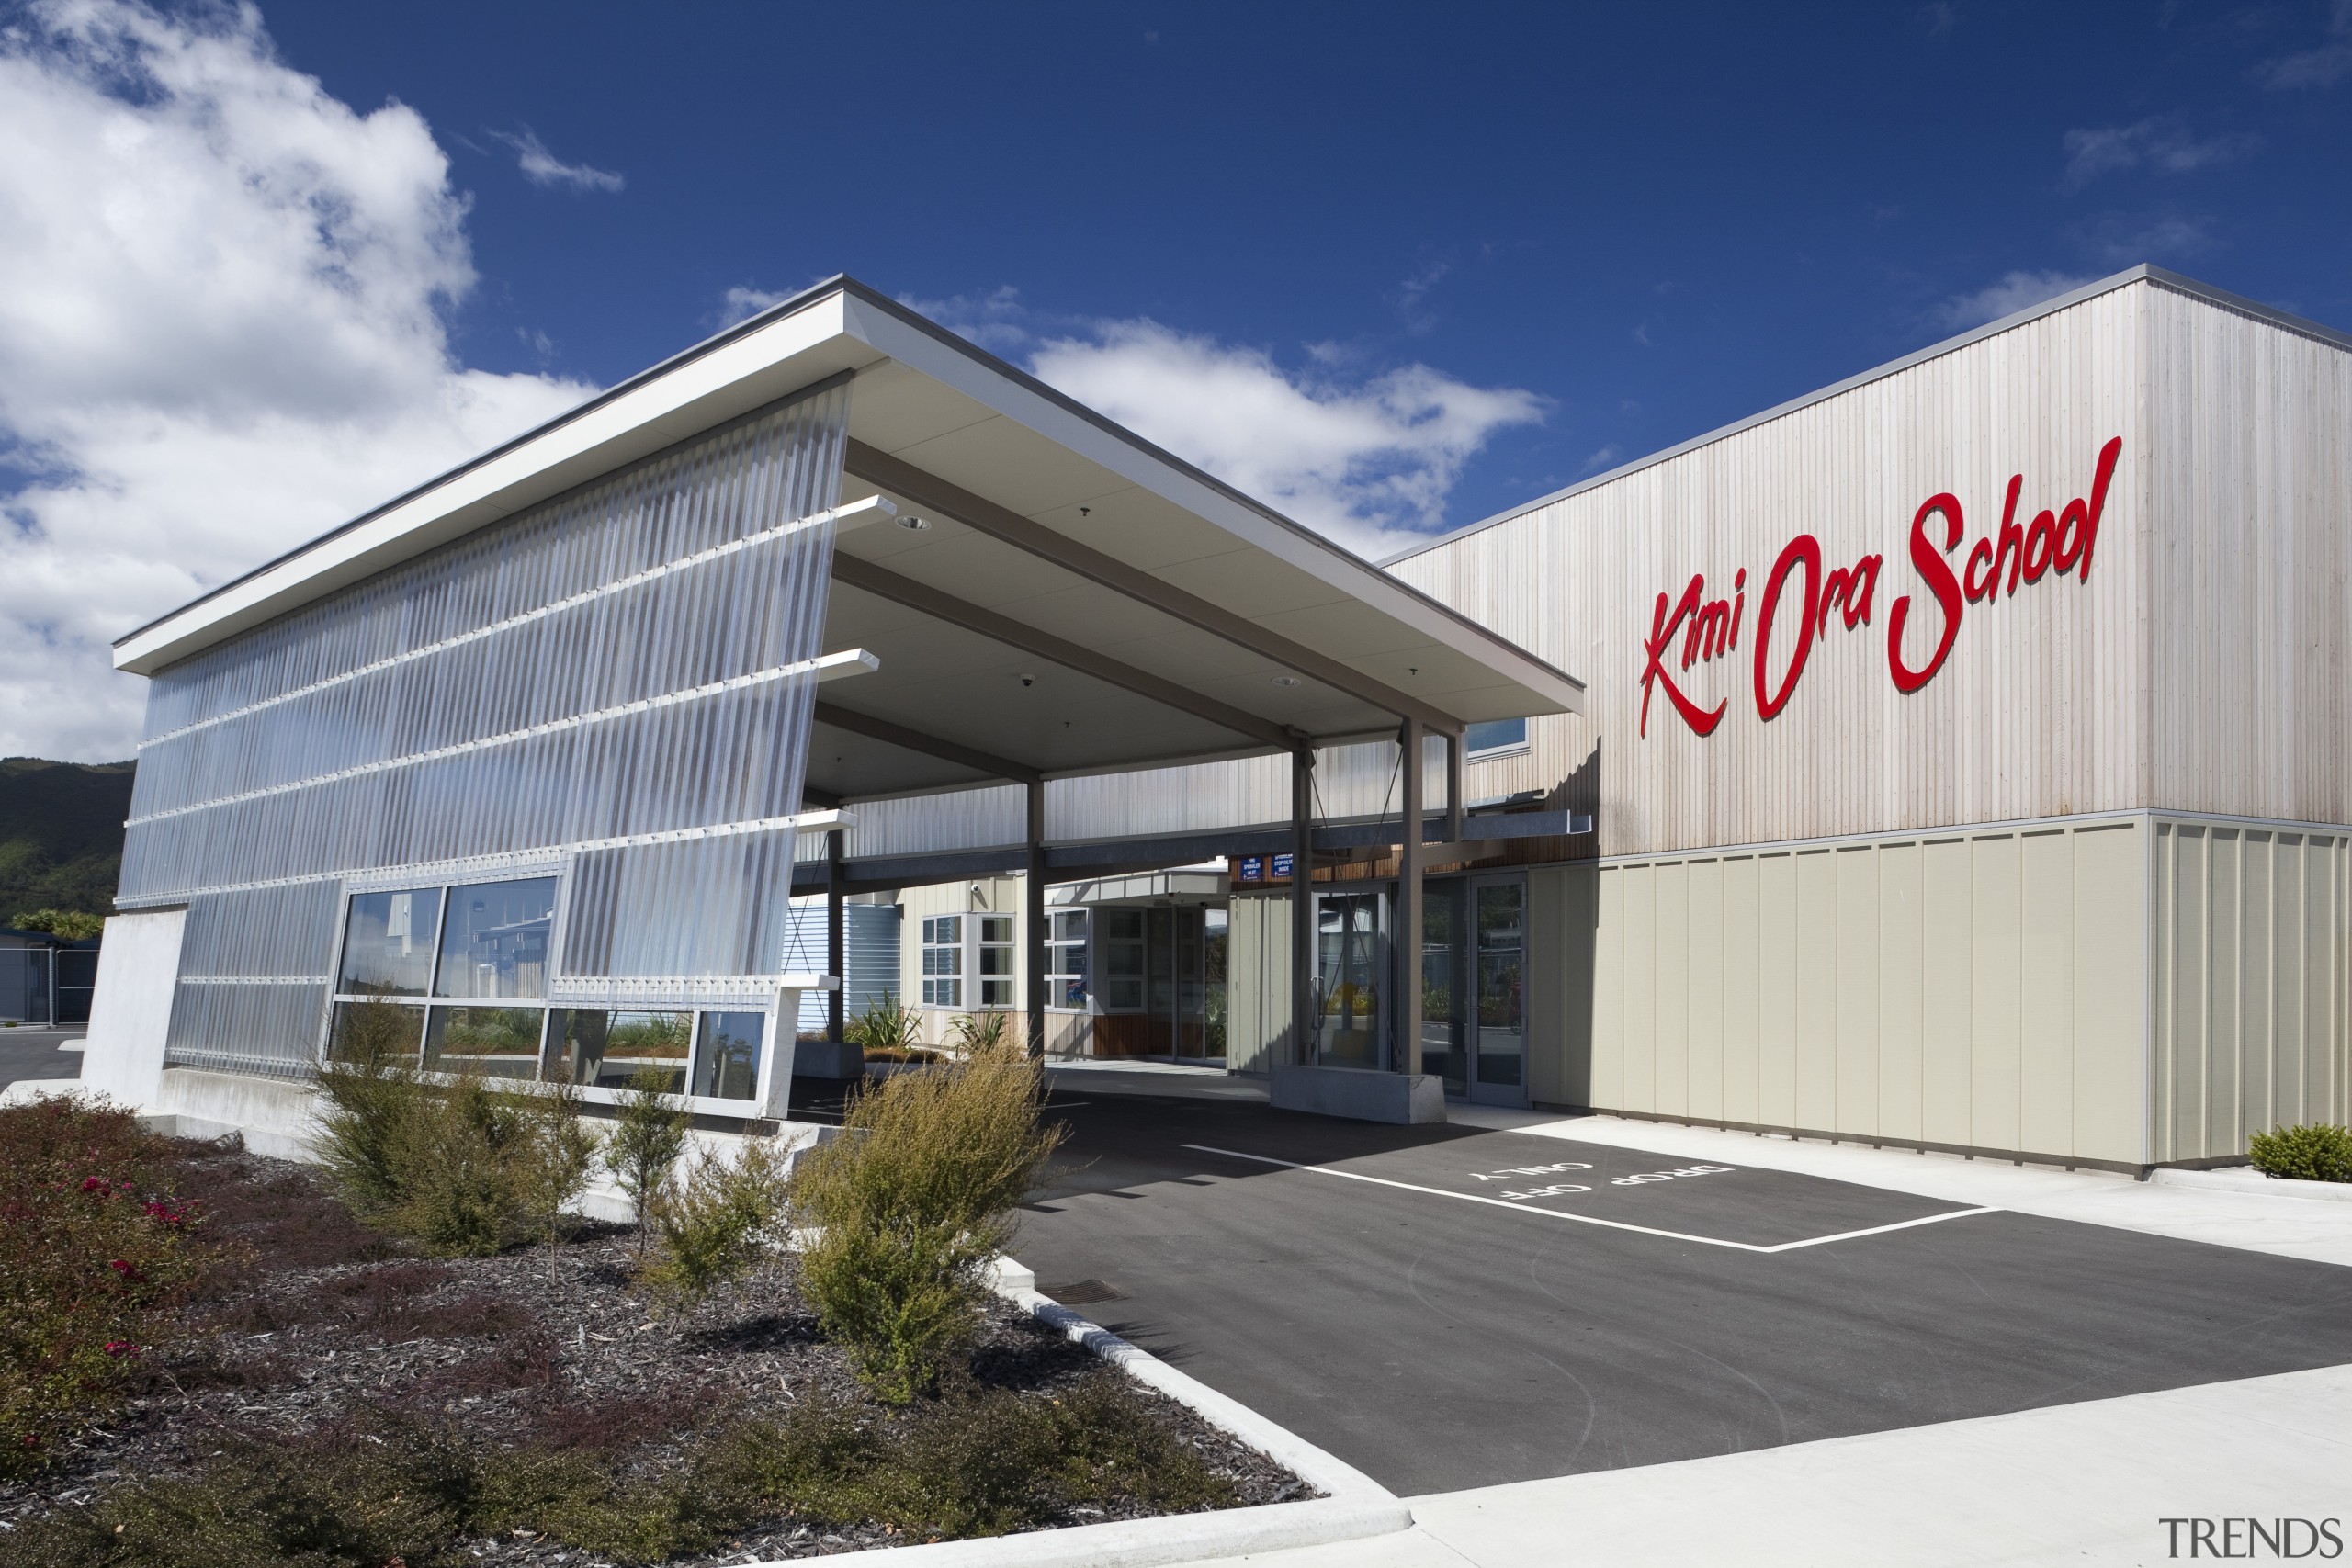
(1066, 960)
(496, 1042)
(388, 942)
(373, 1030)
(605, 1049)
(726, 1058)
(943, 961)
(494, 941)
(996, 960)
(1119, 935)
(1499, 735)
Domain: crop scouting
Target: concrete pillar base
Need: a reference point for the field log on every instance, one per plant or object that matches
(1358, 1094)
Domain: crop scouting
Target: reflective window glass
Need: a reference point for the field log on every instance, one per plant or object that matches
(607, 1049)
(375, 1031)
(495, 941)
(727, 1057)
(496, 1042)
(388, 942)
(1498, 735)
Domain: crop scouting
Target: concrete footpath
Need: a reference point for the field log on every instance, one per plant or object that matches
(2077, 1483)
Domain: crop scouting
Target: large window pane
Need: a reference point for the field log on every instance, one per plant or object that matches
(494, 941)
(727, 1059)
(1498, 735)
(388, 942)
(374, 1030)
(592, 1046)
(497, 1042)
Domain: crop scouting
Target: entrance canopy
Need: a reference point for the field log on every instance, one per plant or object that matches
(1037, 593)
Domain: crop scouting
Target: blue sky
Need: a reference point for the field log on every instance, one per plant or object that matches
(1393, 269)
(1661, 218)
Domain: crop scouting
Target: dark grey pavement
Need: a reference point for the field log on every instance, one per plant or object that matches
(27, 1053)
(1440, 1344)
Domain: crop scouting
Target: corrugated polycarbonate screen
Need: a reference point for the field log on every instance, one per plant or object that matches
(629, 660)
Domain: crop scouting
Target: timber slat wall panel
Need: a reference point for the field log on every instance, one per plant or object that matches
(2203, 667)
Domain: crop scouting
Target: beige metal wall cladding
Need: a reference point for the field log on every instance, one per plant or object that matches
(2202, 666)
(1981, 991)
(2250, 1001)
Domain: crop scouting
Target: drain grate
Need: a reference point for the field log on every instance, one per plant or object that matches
(1086, 1292)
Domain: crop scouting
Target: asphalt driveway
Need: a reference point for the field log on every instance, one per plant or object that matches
(1447, 1307)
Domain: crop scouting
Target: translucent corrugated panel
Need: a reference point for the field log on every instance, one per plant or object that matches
(625, 660)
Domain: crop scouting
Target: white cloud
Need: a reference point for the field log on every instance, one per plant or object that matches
(1604, 457)
(1366, 461)
(221, 331)
(542, 167)
(2321, 67)
(2016, 291)
(2159, 143)
(741, 303)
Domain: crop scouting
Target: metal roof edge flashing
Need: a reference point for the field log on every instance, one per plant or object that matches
(2144, 272)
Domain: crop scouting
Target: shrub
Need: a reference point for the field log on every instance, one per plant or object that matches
(884, 1026)
(714, 1225)
(647, 1139)
(461, 1168)
(370, 1093)
(974, 1032)
(2316, 1153)
(910, 1204)
(66, 925)
(95, 1252)
(466, 1163)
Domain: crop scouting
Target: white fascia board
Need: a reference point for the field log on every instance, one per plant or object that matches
(768, 363)
(1349, 577)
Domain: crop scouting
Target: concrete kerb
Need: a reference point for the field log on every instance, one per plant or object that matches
(2245, 1178)
(1355, 1506)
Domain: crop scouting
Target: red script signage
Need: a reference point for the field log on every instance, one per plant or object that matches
(1801, 599)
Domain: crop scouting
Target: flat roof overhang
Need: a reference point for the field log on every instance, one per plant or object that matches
(1075, 601)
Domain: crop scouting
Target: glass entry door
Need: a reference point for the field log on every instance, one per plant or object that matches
(1474, 1032)
(1499, 950)
(1348, 958)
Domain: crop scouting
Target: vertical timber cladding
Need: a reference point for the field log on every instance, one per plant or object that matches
(620, 661)
(2200, 665)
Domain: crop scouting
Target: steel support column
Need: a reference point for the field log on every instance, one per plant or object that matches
(1407, 947)
(836, 944)
(1033, 919)
(1455, 787)
(1302, 906)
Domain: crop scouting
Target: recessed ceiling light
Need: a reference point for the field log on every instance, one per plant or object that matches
(914, 524)
(1286, 680)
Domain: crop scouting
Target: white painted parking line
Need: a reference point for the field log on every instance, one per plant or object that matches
(1593, 1219)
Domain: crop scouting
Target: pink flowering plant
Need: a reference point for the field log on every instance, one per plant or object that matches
(94, 1256)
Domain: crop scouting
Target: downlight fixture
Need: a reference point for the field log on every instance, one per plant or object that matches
(1286, 680)
(914, 524)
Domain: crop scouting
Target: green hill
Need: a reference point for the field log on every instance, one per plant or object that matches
(61, 834)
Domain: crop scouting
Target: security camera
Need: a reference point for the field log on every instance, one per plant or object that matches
(1028, 680)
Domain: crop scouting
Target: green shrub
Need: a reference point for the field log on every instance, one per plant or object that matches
(974, 1033)
(459, 1167)
(714, 1225)
(647, 1139)
(96, 1253)
(2316, 1153)
(466, 1162)
(66, 925)
(884, 1026)
(370, 1093)
(910, 1204)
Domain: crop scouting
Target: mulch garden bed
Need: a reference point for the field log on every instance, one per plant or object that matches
(333, 1320)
